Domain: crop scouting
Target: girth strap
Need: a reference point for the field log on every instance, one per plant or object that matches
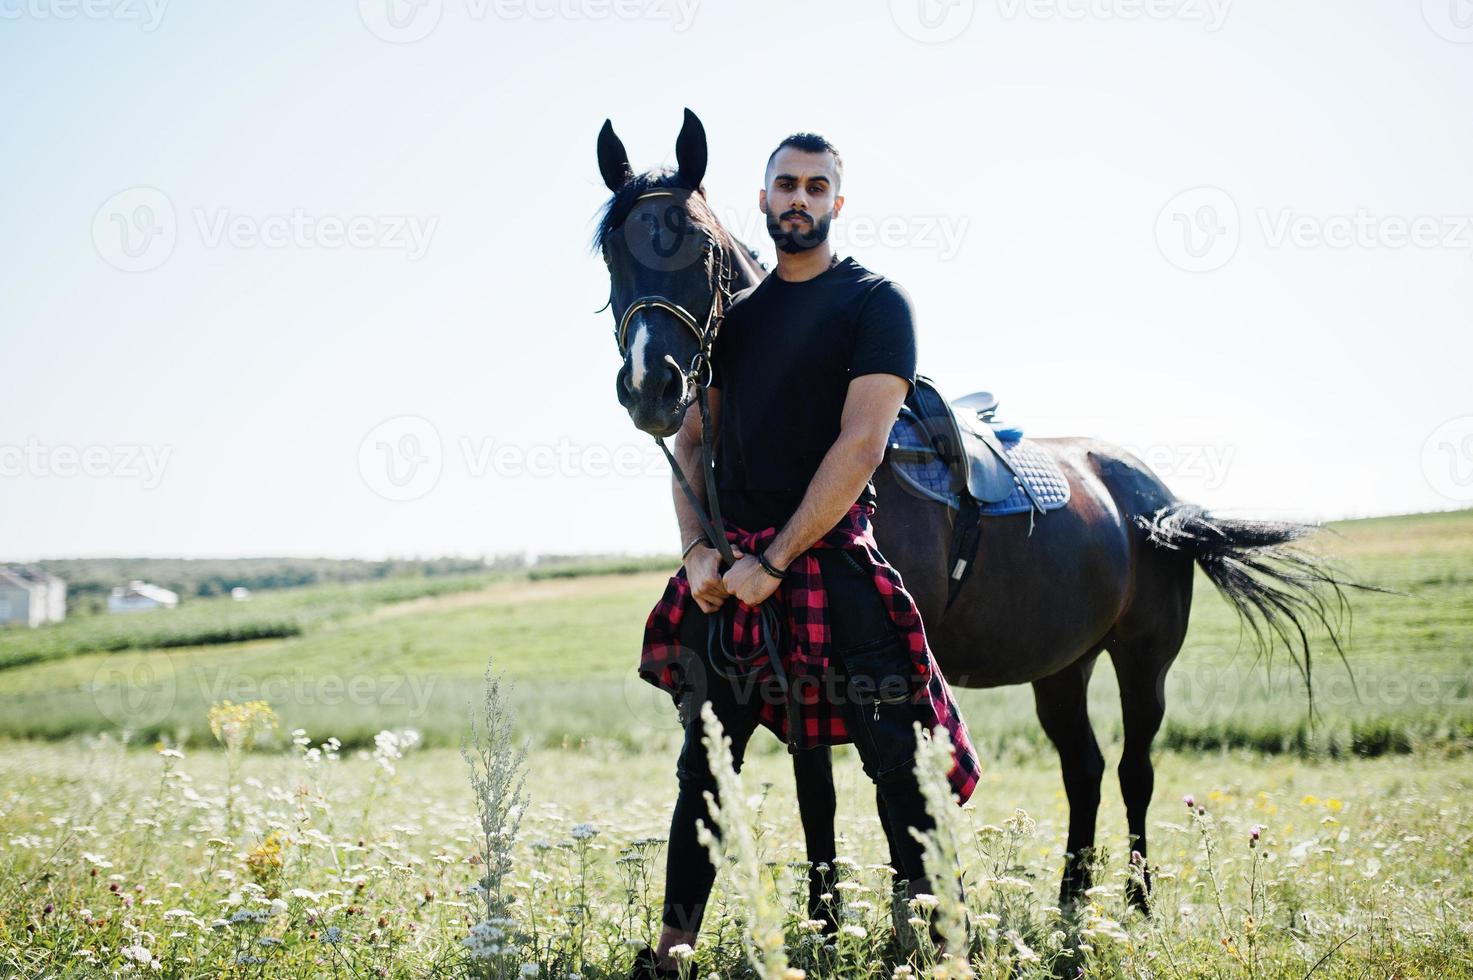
(965, 537)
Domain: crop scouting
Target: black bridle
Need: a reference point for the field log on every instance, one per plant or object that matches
(697, 375)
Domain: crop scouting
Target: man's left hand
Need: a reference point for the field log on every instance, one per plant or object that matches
(748, 582)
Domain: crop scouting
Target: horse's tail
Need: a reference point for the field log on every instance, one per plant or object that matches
(1280, 592)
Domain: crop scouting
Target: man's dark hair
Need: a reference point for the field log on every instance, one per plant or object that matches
(812, 143)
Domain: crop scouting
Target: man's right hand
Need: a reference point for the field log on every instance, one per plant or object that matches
(703, 570)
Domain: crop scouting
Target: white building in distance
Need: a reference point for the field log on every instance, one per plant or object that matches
(30, 596)
(140, 596)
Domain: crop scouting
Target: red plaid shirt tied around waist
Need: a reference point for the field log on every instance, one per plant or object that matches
(805, 660)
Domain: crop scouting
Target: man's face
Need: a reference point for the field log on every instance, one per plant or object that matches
(801, 198)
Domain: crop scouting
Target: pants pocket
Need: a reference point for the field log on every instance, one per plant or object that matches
(884, 710)
(857, 614)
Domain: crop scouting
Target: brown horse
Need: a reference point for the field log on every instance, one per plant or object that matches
(1110, 572)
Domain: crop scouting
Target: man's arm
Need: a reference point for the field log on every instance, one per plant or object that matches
(871, 405)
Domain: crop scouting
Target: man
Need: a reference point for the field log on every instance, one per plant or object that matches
(808, 374)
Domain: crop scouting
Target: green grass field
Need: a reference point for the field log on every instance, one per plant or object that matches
(359, 662)
(1363, 868)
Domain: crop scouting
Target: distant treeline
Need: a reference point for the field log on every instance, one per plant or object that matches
(89, 580)
(576, 566)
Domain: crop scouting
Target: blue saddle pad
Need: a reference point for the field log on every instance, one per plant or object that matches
(932, 476)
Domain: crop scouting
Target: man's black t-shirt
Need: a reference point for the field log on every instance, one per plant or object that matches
(783, 362)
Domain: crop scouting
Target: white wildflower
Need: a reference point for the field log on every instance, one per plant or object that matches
(1025, 953)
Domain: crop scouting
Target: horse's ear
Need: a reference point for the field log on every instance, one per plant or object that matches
(690, 151)
(613, 159)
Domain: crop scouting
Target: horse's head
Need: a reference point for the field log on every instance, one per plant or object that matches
(669, 262)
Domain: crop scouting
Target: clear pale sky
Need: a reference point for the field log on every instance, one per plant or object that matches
(259, 259)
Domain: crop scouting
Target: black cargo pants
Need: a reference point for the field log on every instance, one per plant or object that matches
(873, 682)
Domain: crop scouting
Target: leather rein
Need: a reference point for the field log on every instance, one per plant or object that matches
(698, 376)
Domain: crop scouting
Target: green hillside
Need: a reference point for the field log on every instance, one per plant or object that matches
(357, 662)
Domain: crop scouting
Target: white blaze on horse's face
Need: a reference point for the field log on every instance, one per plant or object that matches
(638, 370)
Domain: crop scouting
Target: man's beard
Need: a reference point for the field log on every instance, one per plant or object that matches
(804, 236)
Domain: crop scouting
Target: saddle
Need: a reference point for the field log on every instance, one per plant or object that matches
(964, 436)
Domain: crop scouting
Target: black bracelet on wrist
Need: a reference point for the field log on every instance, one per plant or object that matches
(767, 566)
(699, 539)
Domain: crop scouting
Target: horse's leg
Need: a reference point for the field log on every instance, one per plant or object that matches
(813, 773)
(1141, 665)
(1063, 710)
(1143, 646)
(1142, 705)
